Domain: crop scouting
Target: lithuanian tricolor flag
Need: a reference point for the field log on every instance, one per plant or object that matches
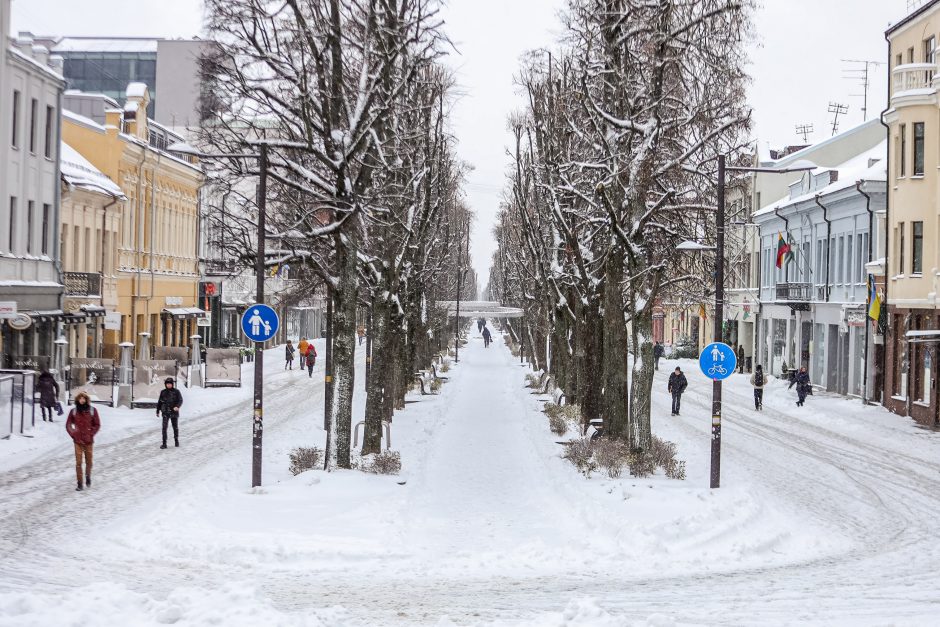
(783, 250)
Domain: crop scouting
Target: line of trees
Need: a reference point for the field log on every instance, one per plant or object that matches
(614, 166)
(351, 101)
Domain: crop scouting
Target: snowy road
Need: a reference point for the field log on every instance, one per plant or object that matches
(827, 514)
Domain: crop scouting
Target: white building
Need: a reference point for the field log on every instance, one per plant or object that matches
(813, 311)
(31, 86)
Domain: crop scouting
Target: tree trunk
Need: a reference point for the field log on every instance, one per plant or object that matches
(590, 376)
(344, 349)
(377, 384)
(641, 435)
(616, 363)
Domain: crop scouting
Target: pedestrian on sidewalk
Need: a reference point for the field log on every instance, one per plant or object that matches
(169, 405)
(658, 351)
(740, 356)
(82, 424)
(48, 393)
(677, 385)
(480, 324)
(302, 351)
(289, 356)
(803, 386)
(487, 338)
(311, 358)
(361, 331)
(758, 381)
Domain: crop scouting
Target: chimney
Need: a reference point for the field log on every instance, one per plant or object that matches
(135, 110)
(40, 54)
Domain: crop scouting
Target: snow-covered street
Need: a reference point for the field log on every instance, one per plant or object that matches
(825, 516)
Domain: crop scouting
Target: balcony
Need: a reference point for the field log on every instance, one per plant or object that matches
(220, 267)
(82, 284)
(796, 295)
(913, 83)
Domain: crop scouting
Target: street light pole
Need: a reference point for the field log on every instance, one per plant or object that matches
(719, 317)
(258, 416)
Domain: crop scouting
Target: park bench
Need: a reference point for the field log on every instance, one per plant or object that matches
(436, 375)
(385, 425)
(424, 379)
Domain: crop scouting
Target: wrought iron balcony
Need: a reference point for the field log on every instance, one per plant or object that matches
(82, 283)
(220, 267)
(796, 295)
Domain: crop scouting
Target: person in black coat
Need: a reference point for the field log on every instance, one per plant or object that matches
(803, 386)
(658, 351)
(169, 405)
(48, 393)
(677, 385)
(487, 338)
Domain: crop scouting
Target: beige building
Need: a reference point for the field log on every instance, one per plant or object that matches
(912, 269)
(92, 205)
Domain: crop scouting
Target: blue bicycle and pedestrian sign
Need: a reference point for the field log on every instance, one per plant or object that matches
(260, 323)
(717, 361)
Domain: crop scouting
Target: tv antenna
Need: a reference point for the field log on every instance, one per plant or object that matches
(859, 72)
(805, 130)
(837, 109)
(914, 4)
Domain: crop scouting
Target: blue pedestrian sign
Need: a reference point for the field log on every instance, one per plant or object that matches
(717, 361)
(260, 323)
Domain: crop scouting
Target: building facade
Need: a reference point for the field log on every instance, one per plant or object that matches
(156, 260)
(31, 88)
(912, 280)
(813, 299)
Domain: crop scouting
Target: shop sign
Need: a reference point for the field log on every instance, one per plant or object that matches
(174, 301)
(20, 322)
(855, 317)
(112, 321)
(7, 309)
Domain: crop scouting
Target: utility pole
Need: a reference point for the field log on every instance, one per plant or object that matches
(719, 316)
(258, 416)
(460, 276)
(328, 364)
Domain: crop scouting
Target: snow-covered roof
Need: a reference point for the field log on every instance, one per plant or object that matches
(45, 69)
(106, 44)
(81, 119)
(806, 153)
(79, 172)
(136, 90)
(858, 168)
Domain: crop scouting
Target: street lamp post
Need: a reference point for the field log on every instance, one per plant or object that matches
(798, 166)
(257, 429)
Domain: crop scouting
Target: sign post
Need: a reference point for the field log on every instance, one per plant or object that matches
(717, 362)
(259, 324)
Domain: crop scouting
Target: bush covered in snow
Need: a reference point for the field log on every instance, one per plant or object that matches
(684, 348)
(562, 417)
(445, 367)
(384, 463)
(533, 381)
(436, 385)
(304, 458)
(612, 455)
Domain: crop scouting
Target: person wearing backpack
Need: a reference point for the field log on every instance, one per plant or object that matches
(677, 385)
(658, 352)
(803, 386)
(311, 357)
(758, 380)
(302, 351)
(82, 425)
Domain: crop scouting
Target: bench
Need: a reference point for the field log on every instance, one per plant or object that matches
(546, 385)
(424, 379)
(385, 425)
(436, 375)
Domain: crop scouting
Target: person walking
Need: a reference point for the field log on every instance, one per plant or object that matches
(487, 337)
(361, 331)
(169, 405)
(311, 358)
(302, 351)
(677, 385)
(82, 424)
(740, 355)
(48, 393)
(758, 380)
(803, 386)
(480, 324)
(289, 356)
(658, 351)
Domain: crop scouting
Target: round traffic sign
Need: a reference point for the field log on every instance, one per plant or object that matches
(718, 361)
(259, 323)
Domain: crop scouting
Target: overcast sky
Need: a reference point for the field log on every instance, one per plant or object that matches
(796, 66)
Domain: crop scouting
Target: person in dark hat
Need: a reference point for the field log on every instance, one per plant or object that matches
(169, 405)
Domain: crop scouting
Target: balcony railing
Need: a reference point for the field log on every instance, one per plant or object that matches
(794, 292)
(82, 283)
(912, 76)
(220, 266)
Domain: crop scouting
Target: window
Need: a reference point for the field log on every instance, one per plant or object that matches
(46, 210)
(16, 119)
(819, 262)
(917, 247)
(50, 122)
(910, 54)
(33, 111)
(849, 266)
(840, 260)
(900, 248)
(30, 208)
(918, 148)
(76, 248)
(930, 54)
(12, 224)
(902, 158)
(897, 60)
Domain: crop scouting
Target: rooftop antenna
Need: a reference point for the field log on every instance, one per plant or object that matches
(914, 4)
(805, 130)
(837, 109)
(859, 73)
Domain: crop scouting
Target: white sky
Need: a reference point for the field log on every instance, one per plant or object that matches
(797, 67)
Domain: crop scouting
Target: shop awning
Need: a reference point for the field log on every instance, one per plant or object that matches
(184, 313)
(74, 318)
(923, 335)
(93, 311)
(46, 315)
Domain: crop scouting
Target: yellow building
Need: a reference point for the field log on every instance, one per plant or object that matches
(157, 266)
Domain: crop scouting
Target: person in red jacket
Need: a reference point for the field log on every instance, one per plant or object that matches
(82, 424)
(311, 357)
